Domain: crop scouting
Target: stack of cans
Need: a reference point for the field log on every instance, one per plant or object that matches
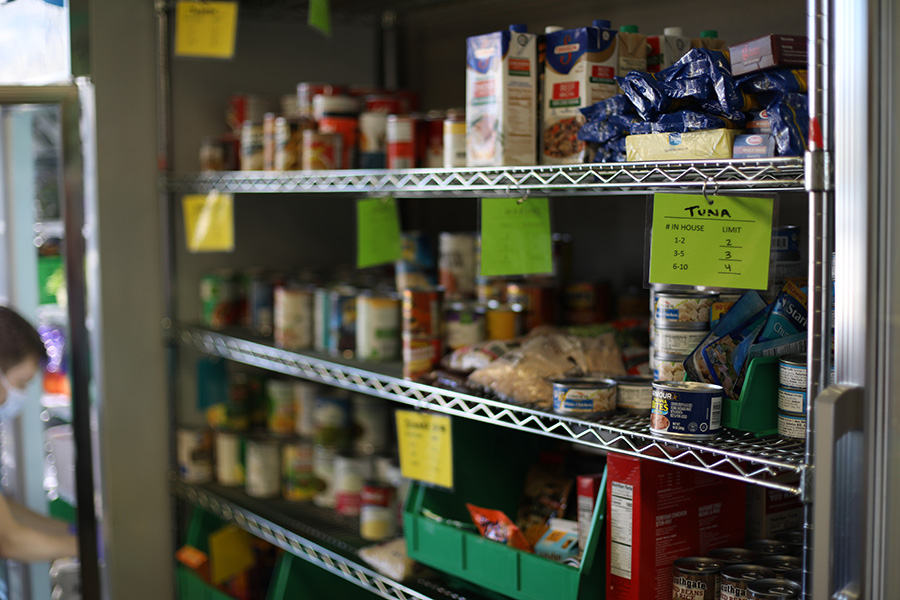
(680, 323)
(792, 397)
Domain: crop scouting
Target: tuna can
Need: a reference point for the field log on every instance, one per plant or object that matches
(346, 127)
(293, 317)
(332, 421)
(537, 302)
(454, 140)
(377, 515)
(503, 323)
(195, 448)
(634, 394)
(792, 372)
(349, 475)
(218, 298)
(321, 151)
(299, 480)
(321, 319)
(791, 426)
(251, 146)
(458, 263)
(464, 324)
(792, 401)
(373, 140)
(768, 547)
(667, 367)
(686, 410)
(421, 312)
(304, 408)
(401, 142)
(323, 469)
(342, 326)
(280, 406)
(733, 555)
(682, 307)
(795, 575)
(377, 327)
(230, 451)
(263, 469)
(735, 578)
(773, 589)
(678, 341)
(696, 578)
(420, 355)
(780, 563)
(370, 424)
(261, 304)
(587, 398)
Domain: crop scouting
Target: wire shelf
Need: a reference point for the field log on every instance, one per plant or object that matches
(773, 174)
(733, 455)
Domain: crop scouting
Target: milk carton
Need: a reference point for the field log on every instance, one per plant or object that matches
(580, 70)
(665, 49)
(501, 98)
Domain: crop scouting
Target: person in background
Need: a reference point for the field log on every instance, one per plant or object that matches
(25, 536)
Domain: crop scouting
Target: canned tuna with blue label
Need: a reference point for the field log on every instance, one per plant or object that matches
(686, 410)
(584, 397)
(791, 426)
(792, 401)
(682, 307)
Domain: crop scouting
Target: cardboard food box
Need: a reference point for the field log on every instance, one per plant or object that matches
(754, 146)
(501, 99)
(659, 513)
(664, 50)
(770, 512)
(696, 145)
(767, 52)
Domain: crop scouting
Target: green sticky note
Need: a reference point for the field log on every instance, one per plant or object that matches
(723, 244)
(377, 232)
(320, 15)
(515, 236)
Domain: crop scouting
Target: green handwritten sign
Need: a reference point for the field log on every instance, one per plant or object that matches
(723, 244)
(377, 232)
(515, 236)
(320, 15)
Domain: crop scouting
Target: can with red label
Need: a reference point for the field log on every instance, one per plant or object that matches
(321, 151)
(387, 104)
(421, 312)
(377, 515)
(244, 107)
(346, 127)
(434, 140)
(401, 142)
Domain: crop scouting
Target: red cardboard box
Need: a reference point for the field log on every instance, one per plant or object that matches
(770, 512)
(659, 513)
(767, 52)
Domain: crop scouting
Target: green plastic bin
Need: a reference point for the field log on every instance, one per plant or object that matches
(296, 578)
(756, 410)
(192, 587)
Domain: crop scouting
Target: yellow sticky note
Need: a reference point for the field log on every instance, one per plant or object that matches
(229, 553)
(209, 222)
(205, 29)
(426, 447)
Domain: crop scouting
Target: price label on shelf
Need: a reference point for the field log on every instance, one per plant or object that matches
(515, 236)
(205, 29)
(724, 243)
(377, 232)
(209, 222)
(426, 447)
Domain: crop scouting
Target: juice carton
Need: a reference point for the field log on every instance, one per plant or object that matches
(501, 98)
(632, 50)
(709, 39)
(580, 70)
(665, 49)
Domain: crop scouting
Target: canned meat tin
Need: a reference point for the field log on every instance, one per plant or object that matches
(584, 397)
(768, 547)
(791, 426)
(736, 577)
(634, 394)
(686, 410)
(792, 371)
(677, 341)
(696, 578)
(773, 589)
(733, 555)
(682, 307)
(780, 563)
(667, 367)
(792, 401)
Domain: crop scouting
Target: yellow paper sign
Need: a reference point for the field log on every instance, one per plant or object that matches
(229, 553)
(426, 447)
(209, 222)
(205, 29)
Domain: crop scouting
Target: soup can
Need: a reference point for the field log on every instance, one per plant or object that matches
(679, 342)
(792, 371)
(733, 555)
(683, 308)
(791, 426)
(584, 397)
(791, 400)
(346, 127)
(218, 299)
(323, 469)
(696, 578)
(464, 324)
(293, 317)
(377, 327)
(321, 319)
(349, 475)
(454, 140)
(263, 469)
(735, 578)
(780, 563)
(299, 479)
(667, 367)
(377, 516)
(371, 424)
(768, 547)
(304, 393)
(321, 151)
(195, 449)
(342, 315)
(773, 589)
(634, 394)
(332, 421)
(230, 456)
(458, 263)
(401, 142)
(280, 406)
(686, 410)
(421, 312)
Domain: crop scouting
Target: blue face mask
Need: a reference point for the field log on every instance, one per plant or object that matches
(15, 400)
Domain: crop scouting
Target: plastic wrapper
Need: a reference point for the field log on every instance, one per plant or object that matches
(789, 119)
(545, 496)
(775, 80)
(390, 559)
(645, 93)
(694, 145)
(788, 315)
(616, 105)
(725, 356)
(495, 525)
(726, 98)
(600, 131)
(477, 356)
(612, 151)
(698, 88)
(684, 121)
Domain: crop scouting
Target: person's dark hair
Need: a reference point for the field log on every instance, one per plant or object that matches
(19, 340)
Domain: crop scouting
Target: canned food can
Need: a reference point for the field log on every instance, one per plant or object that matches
(735, 578)
(218, 298)
(634, 394)
(370, 424)
(349, 475)
(401, 142)
(585, 397)
(792, 372)
(304, 407)
(293, 317)
(322, 319)
(795, 575)
(342, 328)
(321, 151)
(421, 312)
(261, 304)
(773, 589)
(677, 341)
(263, 469)
(682, 307)
(334, 105)
(268, 146)
(537, 302)
(667, 367)
(696, 578)
(454, 140)
(299, 480)
(377, 515)
(230, 450)
(686, 410)
(195, 449)
(373, 140)
(289, 142)
(377, 328)
(386, 104)
(458, 263)
(420, 355)
(768, 547)
(280, 405)
(464, 323)
(791, 426)
(434, 140)
(780, 563)
(346, 127)
(251, 147)
(792, 401)
(236, 415)
(307, 90)
(503, 323)
(323, 469)
(733, 555)
(332, 421)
